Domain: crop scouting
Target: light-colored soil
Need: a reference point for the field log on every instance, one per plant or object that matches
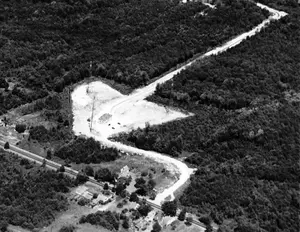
(111, 112)
(122, 113)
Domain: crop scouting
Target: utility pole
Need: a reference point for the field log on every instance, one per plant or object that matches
(93, 108)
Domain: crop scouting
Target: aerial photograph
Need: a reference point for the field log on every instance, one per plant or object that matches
(149, 115)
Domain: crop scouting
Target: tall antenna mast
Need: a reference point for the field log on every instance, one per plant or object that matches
(93, 108)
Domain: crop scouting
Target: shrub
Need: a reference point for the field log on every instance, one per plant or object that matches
(181, 216)
(189, 221)
(49, 154)
(61, 168)
(83, 201)
(6, 145)
(205, 220)
(126, 224)
(156, 227)
(89, 170)
(20, 128)
(169, 208)
(107, 219)
(81, 178)
(69, 228)
(144, 209)
(134, 197)
(105, 187)
(24, 161)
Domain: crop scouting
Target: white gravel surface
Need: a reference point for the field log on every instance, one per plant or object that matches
(114, 112)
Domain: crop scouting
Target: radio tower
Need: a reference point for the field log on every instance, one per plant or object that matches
(93, 108)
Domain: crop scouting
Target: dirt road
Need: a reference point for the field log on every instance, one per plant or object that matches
(128, 102)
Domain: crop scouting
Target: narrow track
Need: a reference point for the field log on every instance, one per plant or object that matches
(141, 94)
(49, 163)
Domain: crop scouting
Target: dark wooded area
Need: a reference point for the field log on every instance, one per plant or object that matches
(244, 138)
(47, 45)
(30, 196)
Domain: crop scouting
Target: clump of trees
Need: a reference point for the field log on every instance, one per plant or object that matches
(169, 208)
(144, 209)
(107, 219)
(104, 175)
(23, 192)
(69, 228)
(147, 139)
(156, 227)
(134, 197)
(42, 134)
(144, 188)
(81, 178)
(89, 171)
(6, 145)
(181, 215)
(82, 150)
(20, 128)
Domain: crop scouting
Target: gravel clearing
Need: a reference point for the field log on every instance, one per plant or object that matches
(100, 111)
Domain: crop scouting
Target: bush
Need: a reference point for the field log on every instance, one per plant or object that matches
(205, 220)
(126, 223)
(169, 208)
(3, 225)
(134, 197)
(6, 145)
(181, 216)
(82, 150)
(105, 187)
(83, 201)
(69, 228)
(81, 178)
(89, 170)
(107, 219)
(24, 161)
(156, 227)
(49, 154)
(61, 168)
(104, 174)
(189, 221)
(144, 209)
(20, 128)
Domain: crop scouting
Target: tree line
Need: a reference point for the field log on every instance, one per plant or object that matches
(244, 137)
(46, 47)
(82, 150)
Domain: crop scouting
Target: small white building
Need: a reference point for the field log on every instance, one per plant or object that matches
(125, 172)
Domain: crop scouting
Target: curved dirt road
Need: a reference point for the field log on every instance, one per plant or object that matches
(141, 93)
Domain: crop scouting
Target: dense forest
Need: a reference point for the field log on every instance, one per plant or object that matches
(30, 196)
(82, 150)
(244, 137)
(47, 45)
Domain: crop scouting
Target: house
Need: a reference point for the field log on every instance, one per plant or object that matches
(125, 172)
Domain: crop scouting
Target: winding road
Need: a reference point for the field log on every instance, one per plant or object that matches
(141, 93)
